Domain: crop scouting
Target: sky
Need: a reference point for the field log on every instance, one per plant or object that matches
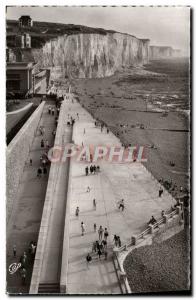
(164, 26)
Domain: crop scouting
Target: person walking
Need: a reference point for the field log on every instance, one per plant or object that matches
(41, 158)
(106, 234)
(99, 253)
(86, 171)
(97, 245)
(118, 241)
(94, 169)
(94, 247)
(121, 205)
(104, 243)
(30, 161)
(43, 162)
(115, 240)
(160, 192)
(91, 169)
(14, 250)
(33, 250)
(100, 232)
(94, 204)
(40, 129)
(30, 247)
(88, 189)
(39, 172)
(42, 143)
(23, 259)
(95, 227)
(82, 228)
(23, 276)
(77, 211)
(88, 259)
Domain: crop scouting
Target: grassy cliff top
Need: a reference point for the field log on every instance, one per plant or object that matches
(41, 32)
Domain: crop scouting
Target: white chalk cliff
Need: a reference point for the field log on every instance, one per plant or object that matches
(92, 55)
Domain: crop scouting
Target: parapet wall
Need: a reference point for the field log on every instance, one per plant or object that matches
(16, 155)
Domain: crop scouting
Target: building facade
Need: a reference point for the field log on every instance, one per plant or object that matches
(25, 21)
(23, 41)
(19, 77)
(24, 78)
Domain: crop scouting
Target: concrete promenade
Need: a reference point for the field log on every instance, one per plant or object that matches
(24, 223)
(132, 182)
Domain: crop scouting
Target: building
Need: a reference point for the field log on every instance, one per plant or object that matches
(25, 21)
(19, 77)
(24, 78)
(23, 41)
(27, 41)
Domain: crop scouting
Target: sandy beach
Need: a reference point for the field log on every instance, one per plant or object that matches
(138, 97)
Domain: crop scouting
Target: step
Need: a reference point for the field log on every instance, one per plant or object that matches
(49, 288)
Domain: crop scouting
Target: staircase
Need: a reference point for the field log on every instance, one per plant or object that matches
(49, 288)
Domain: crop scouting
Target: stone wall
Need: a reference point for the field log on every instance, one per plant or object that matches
(16, 155)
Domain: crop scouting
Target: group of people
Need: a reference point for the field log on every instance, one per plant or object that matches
(101, 125)
(43, 165)
(99, 246)
(71, 120)
(152, 221)
(51, 110)
(92, 170)
(25, 259)
(117, 240)
(44, 143)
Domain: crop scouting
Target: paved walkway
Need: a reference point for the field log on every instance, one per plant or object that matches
(27, 211)
(114, 182)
